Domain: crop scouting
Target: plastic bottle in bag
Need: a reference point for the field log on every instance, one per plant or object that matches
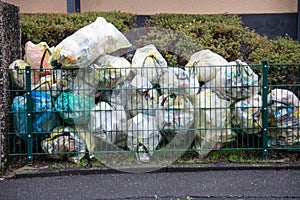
(85, 45)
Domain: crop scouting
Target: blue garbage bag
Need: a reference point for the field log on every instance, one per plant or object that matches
(44, 118)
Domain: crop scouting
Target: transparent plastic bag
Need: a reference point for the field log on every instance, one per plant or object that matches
(18, 74)
(175, 113)
(247, 114)
(235, 81)
(38, 55)
(283, 109)
(137, 96)
(117, 69)
(143, 136)
(81, 48)
(179, 82)
(64, 142)
(205, 64)
(149, 63)
(212, 122)
(108, 122)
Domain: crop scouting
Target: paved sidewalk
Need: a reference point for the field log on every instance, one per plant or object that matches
(260, 182)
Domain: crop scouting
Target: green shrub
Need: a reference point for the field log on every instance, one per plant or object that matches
(52, 28)
(223, 34)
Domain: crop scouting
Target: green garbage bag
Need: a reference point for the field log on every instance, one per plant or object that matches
(74, 108)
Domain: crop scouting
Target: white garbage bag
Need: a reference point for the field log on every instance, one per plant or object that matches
(212, 122)
(235, 81)
(247, 114)
(205, 64)
(81, 48)
(143, 136)
(108, 122)
(284, 112)
(179, 82)
(149, 63)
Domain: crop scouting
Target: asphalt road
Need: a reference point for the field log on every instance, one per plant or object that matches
(227, 184)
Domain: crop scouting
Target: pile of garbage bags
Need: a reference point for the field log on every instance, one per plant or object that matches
(80, 91)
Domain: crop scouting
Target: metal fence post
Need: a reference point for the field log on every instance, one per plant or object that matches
(265, 107)
(29, 115)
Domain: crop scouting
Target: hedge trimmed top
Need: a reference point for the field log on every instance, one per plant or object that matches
(223, 34)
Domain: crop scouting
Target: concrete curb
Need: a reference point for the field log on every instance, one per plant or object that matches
(32, 173)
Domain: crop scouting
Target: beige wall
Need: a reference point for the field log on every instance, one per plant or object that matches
(40, 6)
(147, 7)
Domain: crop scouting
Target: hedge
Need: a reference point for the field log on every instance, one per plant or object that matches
(223, 34)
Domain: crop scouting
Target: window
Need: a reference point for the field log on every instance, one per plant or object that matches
(73, 6)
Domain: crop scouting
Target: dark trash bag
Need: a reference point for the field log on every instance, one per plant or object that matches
(44, 118)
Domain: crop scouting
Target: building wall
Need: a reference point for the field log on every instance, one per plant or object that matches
(40, 6)
(148, 7)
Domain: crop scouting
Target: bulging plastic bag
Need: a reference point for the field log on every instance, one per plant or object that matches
(283, 108)
(149, 63)
(44, 118)
(137, 96)
(74, 108)
(117, 69)
(205, 64)
(143, 136)
(108, 122)
(247, 114)
(212, 122)
(64, 142)
(236, 81)
(38, 55)
(85, 45)
(18, 74)
(179, 82)
(175, 113)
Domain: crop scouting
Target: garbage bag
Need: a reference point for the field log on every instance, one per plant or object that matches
(143, 136)
(117, 69)
(175, 113)
(18, 74)
(205, 64)
(134, 97)
(247, 114)
(81, 48)
(74, 108)
(236, 81)
(44, 118)
(179, 82)
(108, 122)
(52, 84)
(283, 109)
(64, 142)
(149, 63)
(38, 55)
(212, 122)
